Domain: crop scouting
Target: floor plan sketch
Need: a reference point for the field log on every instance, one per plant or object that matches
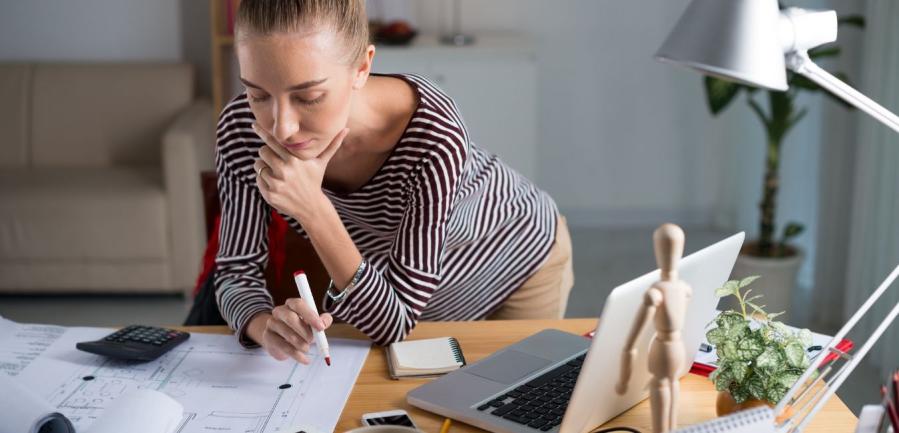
(222, 386)
(22, 344)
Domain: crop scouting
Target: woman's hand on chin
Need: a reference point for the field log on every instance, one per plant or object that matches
(292, 185)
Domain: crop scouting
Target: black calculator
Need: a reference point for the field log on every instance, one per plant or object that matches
(135, 343)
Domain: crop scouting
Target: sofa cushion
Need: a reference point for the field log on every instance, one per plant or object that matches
(14, 92)
(82, 214)
(105, 114)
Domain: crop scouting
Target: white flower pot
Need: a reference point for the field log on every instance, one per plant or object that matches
(778, 281)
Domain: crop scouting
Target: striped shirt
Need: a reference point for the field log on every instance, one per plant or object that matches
(449, 231)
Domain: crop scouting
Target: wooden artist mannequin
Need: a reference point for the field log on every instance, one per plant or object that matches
(665, 302)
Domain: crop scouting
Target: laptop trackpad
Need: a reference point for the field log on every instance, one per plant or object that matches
(507, 367)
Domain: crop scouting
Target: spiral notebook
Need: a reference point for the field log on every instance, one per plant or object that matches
(759, 420)
(430, 357)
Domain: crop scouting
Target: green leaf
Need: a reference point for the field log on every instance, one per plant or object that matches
(795, 354)
(737, 331)
(852, 20)
(727, 349)
(740, 394)
(757, 387)
(757, 308)
(769, 361)
(787, 380)
(753, 298)
(730, 319)
(824, 52)
(757, 109)
(747, 281)
(775, 393)
(740, 372)
(749, 348)
(723, 291)
(719, 93)
(792, 229)
(781, 329)
(773, 316)
(722, 377)
(805, 337)
(716, 336)
(729, 288)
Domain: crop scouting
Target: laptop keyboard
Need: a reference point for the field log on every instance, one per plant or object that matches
(540, 403)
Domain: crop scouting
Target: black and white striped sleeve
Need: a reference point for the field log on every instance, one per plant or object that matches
(243, 241)
(387, 302)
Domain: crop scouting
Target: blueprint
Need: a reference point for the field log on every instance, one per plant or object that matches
(222, 386)
(22, 344)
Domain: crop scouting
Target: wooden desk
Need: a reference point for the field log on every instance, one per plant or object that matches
(375, 391)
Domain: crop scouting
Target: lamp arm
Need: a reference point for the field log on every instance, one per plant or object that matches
(841, 376)
(858, 356)
(799, 62)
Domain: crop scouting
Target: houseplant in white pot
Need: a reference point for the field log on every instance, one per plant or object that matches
(771, 254)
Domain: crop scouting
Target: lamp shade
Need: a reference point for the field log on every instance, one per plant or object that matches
(732, 39)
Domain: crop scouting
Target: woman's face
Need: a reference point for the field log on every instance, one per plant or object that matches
(299, 87)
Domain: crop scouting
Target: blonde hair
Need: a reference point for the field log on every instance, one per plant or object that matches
(347, 18)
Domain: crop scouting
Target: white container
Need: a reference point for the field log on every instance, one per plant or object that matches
(777, 282)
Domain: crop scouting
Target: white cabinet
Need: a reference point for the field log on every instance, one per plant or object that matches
(494, 83)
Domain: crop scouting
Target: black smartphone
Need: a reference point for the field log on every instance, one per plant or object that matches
(390, 417)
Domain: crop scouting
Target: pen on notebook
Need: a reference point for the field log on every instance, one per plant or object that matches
(299, 277)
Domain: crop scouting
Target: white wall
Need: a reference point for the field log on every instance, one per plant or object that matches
(623, 139)
(90, 30)
(627, 140)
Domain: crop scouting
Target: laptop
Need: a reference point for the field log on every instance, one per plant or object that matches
(560, 382)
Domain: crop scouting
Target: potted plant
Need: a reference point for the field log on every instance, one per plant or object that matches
(775, 257)
(759, 358)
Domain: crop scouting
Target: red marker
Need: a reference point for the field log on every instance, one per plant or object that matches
(896, 387)
(889, 407)
(306, 294)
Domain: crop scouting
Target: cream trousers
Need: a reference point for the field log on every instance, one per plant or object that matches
(545, 294)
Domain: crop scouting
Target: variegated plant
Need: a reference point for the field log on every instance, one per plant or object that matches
(758, 357)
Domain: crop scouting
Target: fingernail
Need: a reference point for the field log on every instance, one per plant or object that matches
(321, 325)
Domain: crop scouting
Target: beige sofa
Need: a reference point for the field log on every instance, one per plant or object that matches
(99, 177)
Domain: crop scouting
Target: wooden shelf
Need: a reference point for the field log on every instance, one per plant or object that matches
(222, 51)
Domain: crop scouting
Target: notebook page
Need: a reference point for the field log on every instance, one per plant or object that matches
(759, 420)
(430, 354)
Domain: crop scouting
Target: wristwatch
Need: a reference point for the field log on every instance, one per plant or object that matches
(339, 296)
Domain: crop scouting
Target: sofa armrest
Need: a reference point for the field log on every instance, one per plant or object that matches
(187, 149)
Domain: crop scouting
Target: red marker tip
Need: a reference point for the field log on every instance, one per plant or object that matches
(299, 272)
(328, 360)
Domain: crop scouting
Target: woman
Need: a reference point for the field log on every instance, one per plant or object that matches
(411, 219)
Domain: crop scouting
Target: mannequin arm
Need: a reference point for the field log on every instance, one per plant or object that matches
(651, 301)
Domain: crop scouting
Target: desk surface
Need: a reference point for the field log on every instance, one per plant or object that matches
(375, 391)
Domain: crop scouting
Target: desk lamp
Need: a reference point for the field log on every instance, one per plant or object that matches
(753, 42)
